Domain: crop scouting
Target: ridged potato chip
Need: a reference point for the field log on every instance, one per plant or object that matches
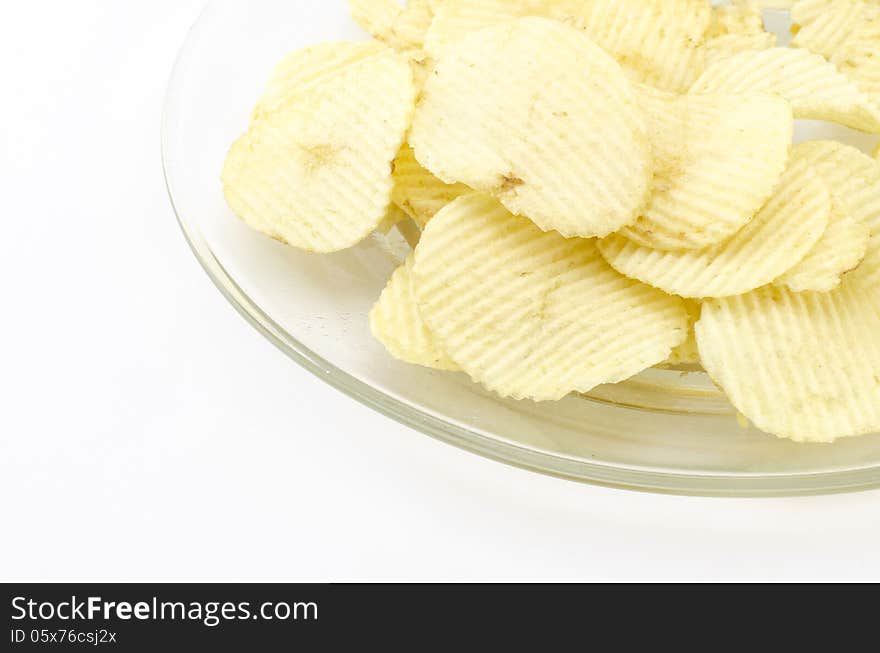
(717, 160)
(419, 193)
(315, 172)
(825, 26)
(802, 366)
(815, 87)
(854, 180)
(840, 250)
(454, 20)
(530, 314)
(657, 42)
(742, 17)
(306, 71)
(401, 27)
(724, 47)
(555, 131)
(780, 237)
(396, 322)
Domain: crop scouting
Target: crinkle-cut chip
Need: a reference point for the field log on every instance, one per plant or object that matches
(687, 353)
(396, 322)
(854, 180)
(780, 237)
(717, 160)
(825, 26)
(456, 19)
(419, 193)
(401, 27)
(555, 131)
(740, 17)
(530, 314)
(776, 4)
(305, 71)
(724, 47)
(802, 366)
(317, 172)
(813, 85)
(841, 249)
(657, 42)
(859, 57)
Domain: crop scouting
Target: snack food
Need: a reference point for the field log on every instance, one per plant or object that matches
(802, 366)
(592, 188)
(396, 322)
(555, 133)
(717, 160)
(314, 168)
(783, 233)
(530, 314)
(814, 86)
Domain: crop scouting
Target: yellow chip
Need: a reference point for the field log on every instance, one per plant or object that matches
(658, 42)
(316, 171)
(825, 26)
(554, 130)
(724, 47)
(854, 180)
(803, 366)
(783, 233)
(859, 57)
(395, 321)
(401, 27)
(456, 19)
(530, 314)
(740, 17)
(717, 160)
(419, 193)
(841, 249)
(687, 353)
(814, 86)
(306, 71)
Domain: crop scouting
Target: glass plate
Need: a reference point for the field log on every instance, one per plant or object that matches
(666, 431)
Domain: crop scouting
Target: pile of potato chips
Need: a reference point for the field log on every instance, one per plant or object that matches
(601, 187)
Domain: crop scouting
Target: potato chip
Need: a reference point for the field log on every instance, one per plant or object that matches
(687, 353)
(717, 160)
(740, 17)
(305, 71)
(802, 366)
(814, 86)
(395, 321)
(854, 180)
(419, 193)
(724, 47)
(657, 42)
(555, 131)
(859, 57)
(456, 19)
(316, 171)
(530, 314)
(841, 249)
(825, 26)
(780, 237)
(401, 27)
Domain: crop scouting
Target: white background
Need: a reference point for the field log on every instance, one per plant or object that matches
(149, 433)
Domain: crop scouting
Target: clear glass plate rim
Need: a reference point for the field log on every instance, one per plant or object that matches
(597, 472)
